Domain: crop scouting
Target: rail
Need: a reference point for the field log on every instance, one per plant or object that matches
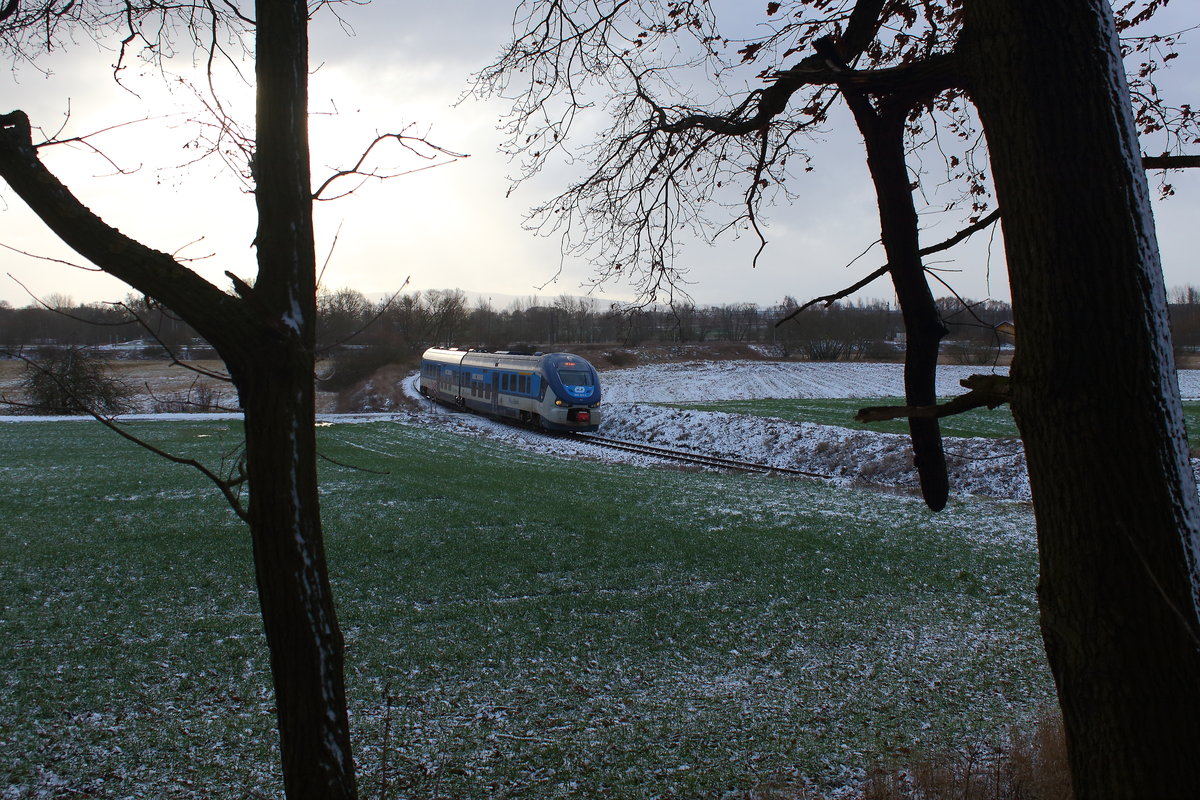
(689, 457)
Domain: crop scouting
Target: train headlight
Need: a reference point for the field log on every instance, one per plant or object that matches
(558, 402)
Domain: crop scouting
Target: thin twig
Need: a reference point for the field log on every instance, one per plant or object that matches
(344, 465)
(383, 309)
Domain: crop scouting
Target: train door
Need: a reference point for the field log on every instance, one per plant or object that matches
(460, 377)
(493, 391)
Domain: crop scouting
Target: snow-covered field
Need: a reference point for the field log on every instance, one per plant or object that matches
(989, 467)
(705, 381)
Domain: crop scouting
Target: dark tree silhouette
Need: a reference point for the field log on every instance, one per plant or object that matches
(266, 336)
(1093, 388)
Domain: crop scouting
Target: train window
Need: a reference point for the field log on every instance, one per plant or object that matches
(575, 377)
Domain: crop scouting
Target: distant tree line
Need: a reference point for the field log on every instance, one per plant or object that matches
(57, 321)
(362, 334)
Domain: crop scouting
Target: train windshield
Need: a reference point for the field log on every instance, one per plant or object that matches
(575, 377)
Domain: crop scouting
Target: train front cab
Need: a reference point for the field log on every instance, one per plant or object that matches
(572, 401)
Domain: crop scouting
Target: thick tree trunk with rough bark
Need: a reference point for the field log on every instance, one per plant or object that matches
(1094, 394)
(266, 338)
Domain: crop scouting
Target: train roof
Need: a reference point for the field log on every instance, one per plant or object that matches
(500, 358)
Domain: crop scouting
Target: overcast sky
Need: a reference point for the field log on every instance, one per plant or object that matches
(451, 227)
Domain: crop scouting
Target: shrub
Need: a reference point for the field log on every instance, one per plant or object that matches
(825, 349)
(72, 380)
(967, 352)
(1028, 765)
(199, 399)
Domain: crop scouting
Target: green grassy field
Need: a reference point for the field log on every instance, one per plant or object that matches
(977, 422)
(520, 625)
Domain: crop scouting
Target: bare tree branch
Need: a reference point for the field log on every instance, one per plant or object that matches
(149, 271)
(991, 391)
(1170, 162)
(829, 299)
(353, 467)
(175, 360)
(405, 140)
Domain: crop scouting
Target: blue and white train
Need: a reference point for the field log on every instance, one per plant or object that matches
(555, 391)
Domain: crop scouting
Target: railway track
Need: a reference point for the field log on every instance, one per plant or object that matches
(687, 457)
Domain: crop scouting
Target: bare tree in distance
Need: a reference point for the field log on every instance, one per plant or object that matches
(264, 330)
(1028, 101)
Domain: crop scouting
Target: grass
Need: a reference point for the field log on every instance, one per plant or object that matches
(991, 423)
(519, 625)
(840, 412)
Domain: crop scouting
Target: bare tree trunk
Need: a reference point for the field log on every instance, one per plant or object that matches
(882, 129)
(274, 376)
(266, 339)
(1095, 395)
(297, 602)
